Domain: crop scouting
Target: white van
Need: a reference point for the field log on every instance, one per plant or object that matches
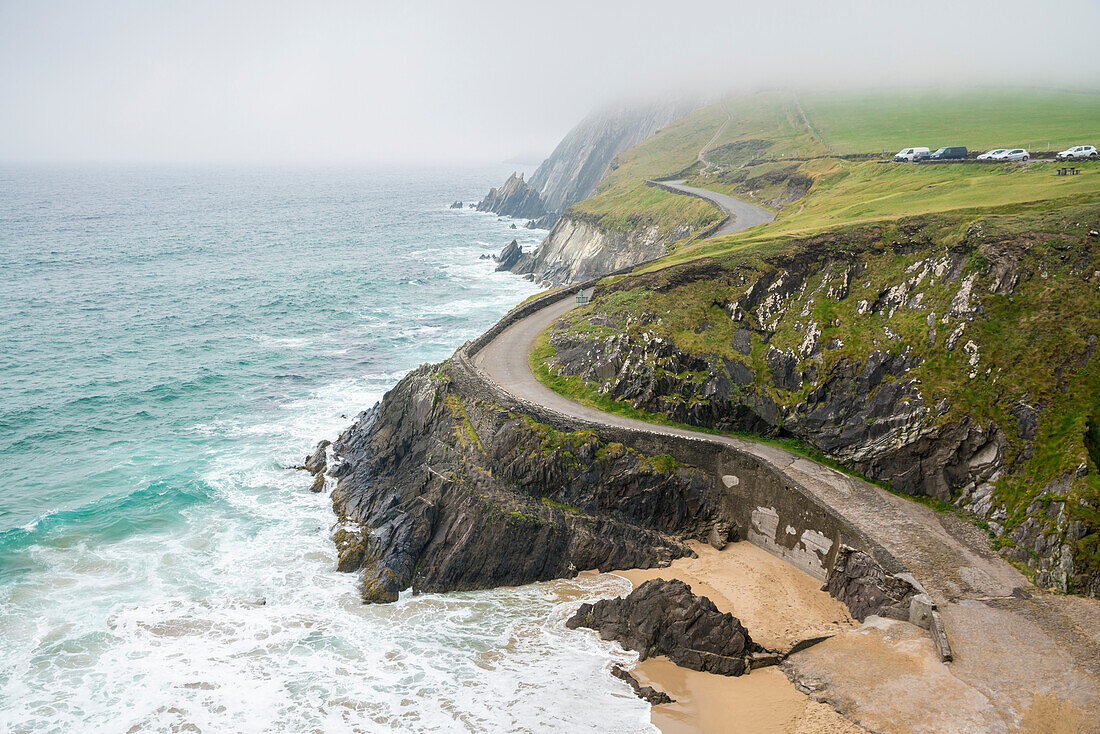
(908, 154)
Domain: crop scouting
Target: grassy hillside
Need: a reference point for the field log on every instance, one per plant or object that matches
(782, 151)
(853, 192)
(977, 118)
(995, 317)
(623, 200)
(978, 282)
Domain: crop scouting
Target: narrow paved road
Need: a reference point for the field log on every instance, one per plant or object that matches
(1011, 641)
(739, 214)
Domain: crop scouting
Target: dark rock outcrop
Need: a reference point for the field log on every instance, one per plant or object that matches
(315, 462)
(546, 221)
(456, 205)
(509, 256)
(514, 199)
(861, 583)
(666, 618)
(648, 694)
(441, 490)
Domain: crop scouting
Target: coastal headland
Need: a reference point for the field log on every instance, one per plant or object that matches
(763, 377)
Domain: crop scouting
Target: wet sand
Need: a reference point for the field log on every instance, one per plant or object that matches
(779, 605)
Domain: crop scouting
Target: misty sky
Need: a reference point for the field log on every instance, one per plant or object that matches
(349, 82)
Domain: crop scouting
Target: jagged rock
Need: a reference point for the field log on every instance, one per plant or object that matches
(442, 490)
(646, 693)
(665, 618)
(318, 485)
(509, 256)
(514, 199)
(862, 584)
(784, 369)
(742, 341)
(546, 221)
(577, 249)
(720, 535)
(456, 205)
(315, 462)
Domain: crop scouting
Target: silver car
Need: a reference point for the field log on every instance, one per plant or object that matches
(1014, 154)
(1079, 151)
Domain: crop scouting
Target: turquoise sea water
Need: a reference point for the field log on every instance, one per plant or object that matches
(170, 341)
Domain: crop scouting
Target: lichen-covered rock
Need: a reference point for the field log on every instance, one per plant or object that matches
(438, 490)
(666, 618)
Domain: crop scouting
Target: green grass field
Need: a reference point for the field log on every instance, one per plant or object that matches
(980, 119)
(742, 134)
(849, 192)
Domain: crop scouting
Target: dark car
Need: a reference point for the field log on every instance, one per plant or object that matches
(922, 157)
(956, 153)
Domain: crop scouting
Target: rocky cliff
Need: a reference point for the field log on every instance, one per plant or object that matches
(577, 248)
(514, 199)
(440, 489)
(585, 155)
(951, 357)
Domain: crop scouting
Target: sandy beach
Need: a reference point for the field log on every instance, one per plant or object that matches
(779, 605)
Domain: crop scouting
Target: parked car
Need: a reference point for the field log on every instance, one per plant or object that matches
(921, 157)
(1015, 154)
(1079, 151)
(949, 153)
(992, 155)
(908, 153)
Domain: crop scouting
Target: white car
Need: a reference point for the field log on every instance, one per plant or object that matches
(1015, 154)
(992, 155)
(1079, 151)
(906, 154)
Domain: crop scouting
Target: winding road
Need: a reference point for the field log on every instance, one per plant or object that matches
(739, 214)
(1010, 640)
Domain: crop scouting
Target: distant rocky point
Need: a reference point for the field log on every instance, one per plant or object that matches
(514, 199)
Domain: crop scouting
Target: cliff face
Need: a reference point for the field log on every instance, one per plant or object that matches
(514, 199)
(584, 156)
(440, 489)
(958, 365)
(577, 249)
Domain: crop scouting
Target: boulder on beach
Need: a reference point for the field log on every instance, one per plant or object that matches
(665, 618)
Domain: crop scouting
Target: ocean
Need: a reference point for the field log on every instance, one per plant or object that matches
(172, 340)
